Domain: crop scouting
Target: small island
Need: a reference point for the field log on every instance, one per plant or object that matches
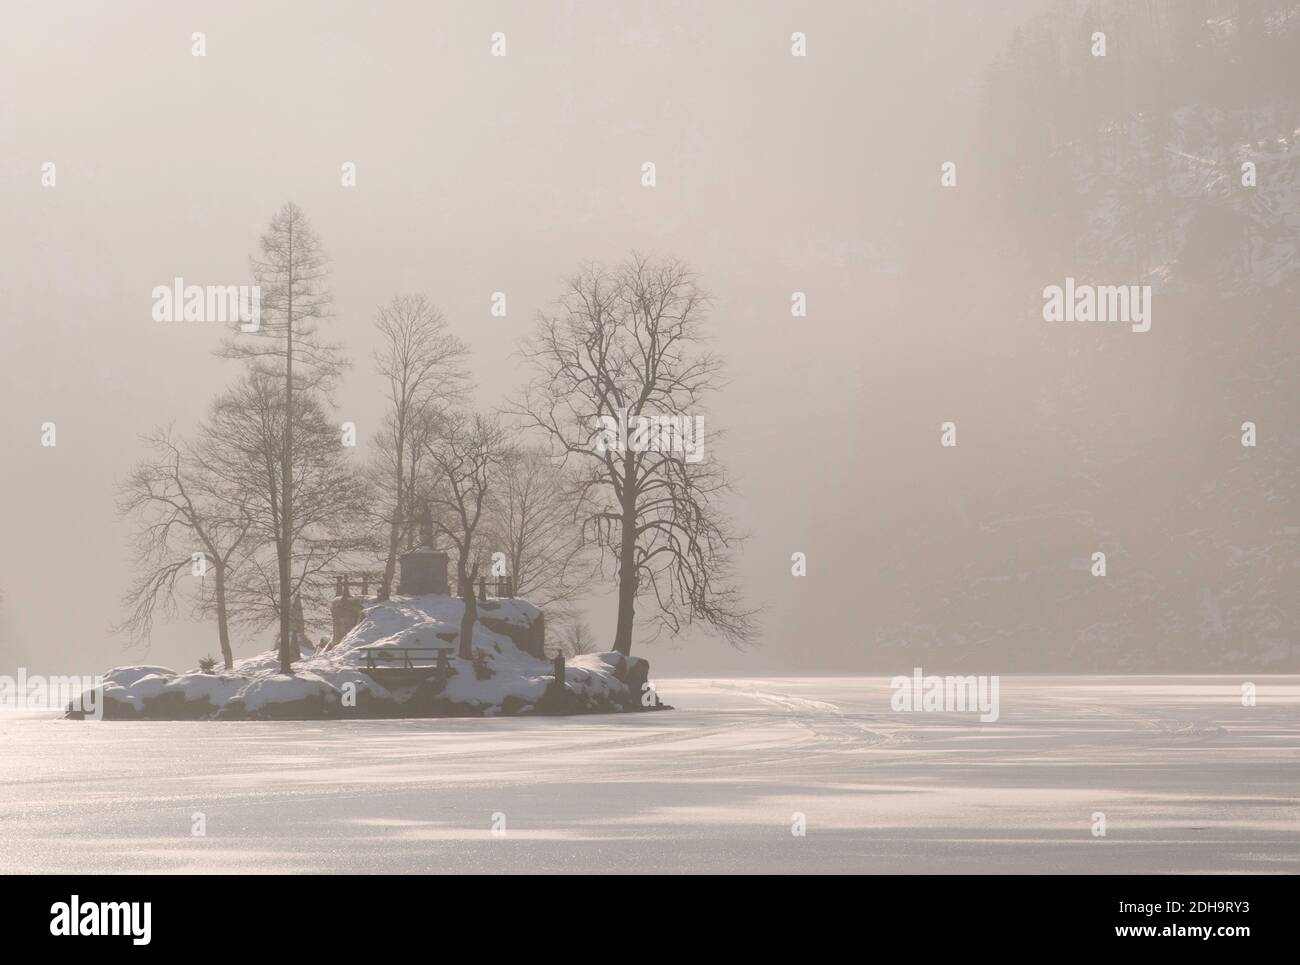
(395, 658)
(474, 527)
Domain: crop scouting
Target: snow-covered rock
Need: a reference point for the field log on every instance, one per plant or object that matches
(509, 674)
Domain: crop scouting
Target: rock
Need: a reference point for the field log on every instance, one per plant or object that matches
(346, 613)
(530, 638)
(506, 678)
(636, 674)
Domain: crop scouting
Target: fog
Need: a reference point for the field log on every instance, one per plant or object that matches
(775, 174)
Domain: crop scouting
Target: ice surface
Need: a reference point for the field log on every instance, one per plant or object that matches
(1188, 778)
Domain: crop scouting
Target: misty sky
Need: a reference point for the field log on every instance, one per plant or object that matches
(477, 174)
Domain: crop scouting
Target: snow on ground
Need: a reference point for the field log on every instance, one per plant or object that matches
(1189, 781)
(507, 680)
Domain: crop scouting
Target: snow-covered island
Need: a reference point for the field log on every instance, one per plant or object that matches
(365, 673)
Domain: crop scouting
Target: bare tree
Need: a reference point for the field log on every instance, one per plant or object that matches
(420, 483)
(467, 454)
(244, 451)
(180, 513)
(422, 365)
(575, 636)
(531, 520)
(624, 349)
(291, 271)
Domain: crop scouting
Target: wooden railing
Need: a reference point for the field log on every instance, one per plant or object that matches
(502, 588)
(406, 657)
(361, 583)
(358, 580)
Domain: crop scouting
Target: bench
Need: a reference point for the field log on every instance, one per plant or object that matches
(406, 657)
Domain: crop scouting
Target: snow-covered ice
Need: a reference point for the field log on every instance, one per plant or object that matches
(1189, 781)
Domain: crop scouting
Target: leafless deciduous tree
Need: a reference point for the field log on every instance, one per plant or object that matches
(243, 450)
(575, 636)
(422, 367)
(181, 511)
(467, 454)
(291, 270)
(623, 344)
(530, 520)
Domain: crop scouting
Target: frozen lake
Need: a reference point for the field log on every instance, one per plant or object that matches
(1189, 780)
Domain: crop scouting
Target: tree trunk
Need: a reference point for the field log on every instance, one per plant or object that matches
(390, 564)
(470, 615)
(286, 615)
(286, 483)
(627, 578)
(394, 531)
(223, 623)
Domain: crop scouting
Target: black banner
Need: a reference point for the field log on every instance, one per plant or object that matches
(142, 914)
